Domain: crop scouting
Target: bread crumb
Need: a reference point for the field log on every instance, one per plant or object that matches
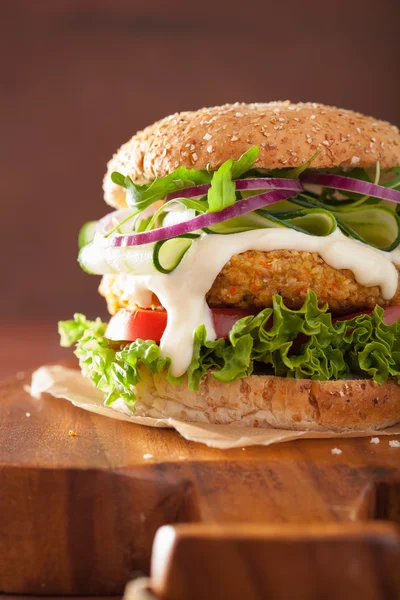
(336, 451)
(146, 456)
(28, 414)
(375, 440)
(72, 433)
(394, 444)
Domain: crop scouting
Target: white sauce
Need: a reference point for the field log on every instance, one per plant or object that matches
(182, 292)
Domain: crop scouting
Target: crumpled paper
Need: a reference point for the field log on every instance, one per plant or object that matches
(62, 382)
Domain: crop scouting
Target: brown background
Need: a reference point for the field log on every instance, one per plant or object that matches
(78, 78)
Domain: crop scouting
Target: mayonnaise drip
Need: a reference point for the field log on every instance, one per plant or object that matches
(182, 292)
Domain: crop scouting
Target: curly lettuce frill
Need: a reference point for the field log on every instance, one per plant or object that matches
(302, 343)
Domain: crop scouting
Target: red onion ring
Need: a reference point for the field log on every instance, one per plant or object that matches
(266, 183)
(349, 184)
(240, 207)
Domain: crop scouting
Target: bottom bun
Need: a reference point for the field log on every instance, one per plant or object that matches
(269, 401)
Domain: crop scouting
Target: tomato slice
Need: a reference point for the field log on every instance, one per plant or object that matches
(130, 325)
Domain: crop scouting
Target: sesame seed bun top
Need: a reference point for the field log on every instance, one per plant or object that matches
(287, 135)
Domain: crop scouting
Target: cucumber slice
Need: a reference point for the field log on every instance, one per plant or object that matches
(86, 233)
(376, 225)
(91, 258)
(168, 254)
(314, 221)
(253, 220)
(97, 259)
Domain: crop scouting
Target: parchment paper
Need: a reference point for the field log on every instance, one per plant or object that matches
(69, 384)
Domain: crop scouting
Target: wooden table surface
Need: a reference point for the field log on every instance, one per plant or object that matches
(293, 502)
(26, 344)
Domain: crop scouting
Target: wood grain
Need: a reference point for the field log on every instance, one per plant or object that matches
(90, 505)
(333, 562)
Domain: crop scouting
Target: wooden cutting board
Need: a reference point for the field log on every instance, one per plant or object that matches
(78, 513)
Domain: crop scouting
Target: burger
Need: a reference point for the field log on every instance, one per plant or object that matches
(251, 268)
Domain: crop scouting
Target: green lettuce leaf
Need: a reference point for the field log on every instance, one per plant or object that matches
(222, 192)
(72, 331)
(302, 343)
(141, 196)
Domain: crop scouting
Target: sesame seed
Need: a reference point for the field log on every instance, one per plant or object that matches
(282, 119)
(235, 138)
(209, 148)
(296, 119)
(374, 440)
(239, 114)
(28, 414)
(207, 137)
(336, 451)
(382, 144)
(358, 129)
(343, 139)
(147, 456)
(312, 117)
(325, 143)
(373, 139)
(355, 160)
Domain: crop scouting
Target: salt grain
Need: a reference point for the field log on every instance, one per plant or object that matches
(355, 160)
(209, 148)
(336, 451)
(394, 444)
(375, 440)
(207, 137)
(28, 414)
(147, 456)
